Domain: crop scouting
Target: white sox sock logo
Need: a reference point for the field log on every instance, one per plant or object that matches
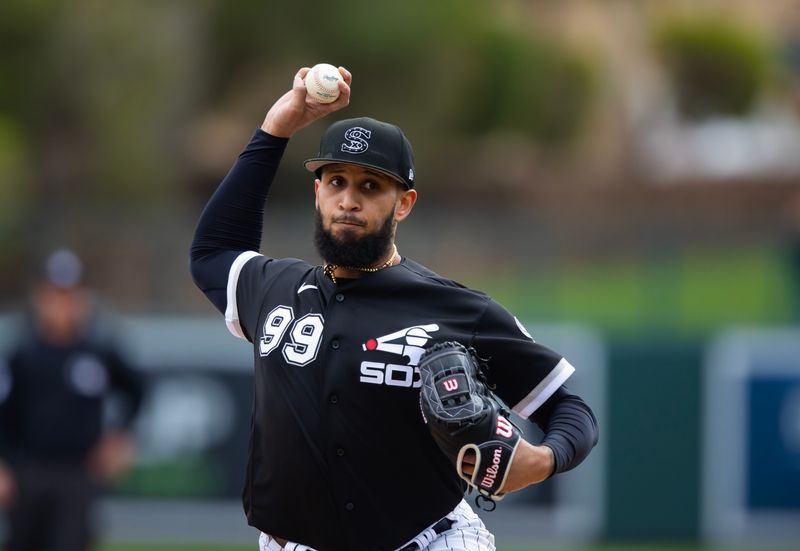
(412, 342)
(358, 140)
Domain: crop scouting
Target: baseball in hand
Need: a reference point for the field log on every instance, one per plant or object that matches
(322, 83)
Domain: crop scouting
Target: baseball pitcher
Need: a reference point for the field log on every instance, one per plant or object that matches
(370, 368)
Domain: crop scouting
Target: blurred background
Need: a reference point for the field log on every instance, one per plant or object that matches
(623, 175)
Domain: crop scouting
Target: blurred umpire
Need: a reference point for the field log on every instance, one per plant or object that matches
(55, 452)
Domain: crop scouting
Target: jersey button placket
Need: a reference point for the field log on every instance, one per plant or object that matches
(339, 456)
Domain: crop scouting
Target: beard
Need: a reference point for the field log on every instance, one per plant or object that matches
(359, 252)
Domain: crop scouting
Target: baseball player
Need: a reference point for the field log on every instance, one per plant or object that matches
(341, 458)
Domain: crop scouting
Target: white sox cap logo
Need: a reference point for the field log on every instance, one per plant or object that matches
(357, 137)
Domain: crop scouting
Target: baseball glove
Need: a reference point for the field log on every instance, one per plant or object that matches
(464, 415)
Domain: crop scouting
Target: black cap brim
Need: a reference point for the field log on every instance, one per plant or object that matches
(313, 165)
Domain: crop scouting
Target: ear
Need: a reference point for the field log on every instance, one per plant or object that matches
(316, 192)
(405, 202)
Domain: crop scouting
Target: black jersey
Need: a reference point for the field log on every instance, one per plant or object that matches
(52, 408)
(339, 453)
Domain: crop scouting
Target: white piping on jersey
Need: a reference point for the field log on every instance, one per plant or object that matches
(305, 287)
(544, 389)
(522, 328)
(231, 309)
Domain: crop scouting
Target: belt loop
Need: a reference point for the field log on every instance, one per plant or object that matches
(442, 525)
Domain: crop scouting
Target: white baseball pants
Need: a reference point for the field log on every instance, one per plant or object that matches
(468, 533)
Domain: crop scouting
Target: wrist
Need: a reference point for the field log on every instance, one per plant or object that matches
(549, 460)
(539, 462)
(275, 131)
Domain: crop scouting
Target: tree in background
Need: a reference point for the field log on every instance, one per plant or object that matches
(716, 67)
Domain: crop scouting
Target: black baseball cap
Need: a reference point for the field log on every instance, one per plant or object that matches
(369, 143)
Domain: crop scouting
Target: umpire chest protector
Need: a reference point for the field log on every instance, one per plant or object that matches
(339, 448)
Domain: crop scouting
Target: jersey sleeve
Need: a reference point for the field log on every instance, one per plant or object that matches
(251, 278)
(524, 372)
(233, 314)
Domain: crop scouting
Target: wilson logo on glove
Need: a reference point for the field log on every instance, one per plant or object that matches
(491, 472)
(469, 420)
(450, 384)
(504, 427)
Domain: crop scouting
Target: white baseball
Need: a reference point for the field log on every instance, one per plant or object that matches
(322, 83)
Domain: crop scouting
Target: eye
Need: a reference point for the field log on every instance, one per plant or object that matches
(335, 181)
(370, 185)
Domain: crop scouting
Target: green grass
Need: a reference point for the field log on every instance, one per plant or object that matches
(688, 293)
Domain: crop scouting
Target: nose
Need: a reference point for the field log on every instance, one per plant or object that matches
(349, 200)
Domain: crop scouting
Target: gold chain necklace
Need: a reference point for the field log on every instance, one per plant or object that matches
(331, 268)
